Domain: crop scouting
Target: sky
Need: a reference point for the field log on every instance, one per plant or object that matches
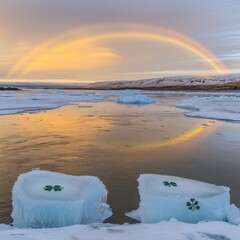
(97, 40)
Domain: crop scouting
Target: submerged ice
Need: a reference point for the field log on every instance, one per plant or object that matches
(164, 197)
(49, 199)
(135, 99)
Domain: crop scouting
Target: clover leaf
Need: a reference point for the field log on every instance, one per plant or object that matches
(193, 205)
(169, 184)
(48, 188)
(56, 188)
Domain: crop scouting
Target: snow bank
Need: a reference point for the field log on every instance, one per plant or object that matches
(172, 230)
(220, 107)
(164, 197)
(135, 99)
(48, 199)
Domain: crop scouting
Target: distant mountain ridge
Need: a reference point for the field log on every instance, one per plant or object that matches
(228, 81)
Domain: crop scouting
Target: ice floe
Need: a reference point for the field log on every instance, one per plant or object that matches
(43, 199)
(220, 107)
(164, 197)
(36, 100)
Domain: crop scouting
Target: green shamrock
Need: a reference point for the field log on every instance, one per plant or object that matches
(169, 184)
(48, 188)
(193, 205)
(56, 188)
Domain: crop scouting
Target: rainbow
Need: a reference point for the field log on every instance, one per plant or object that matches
(27, 63)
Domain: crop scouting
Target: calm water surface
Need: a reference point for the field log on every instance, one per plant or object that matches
(117, 143)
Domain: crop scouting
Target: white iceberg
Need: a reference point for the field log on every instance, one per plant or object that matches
(48, 199)
(164, 197)
(135, 99)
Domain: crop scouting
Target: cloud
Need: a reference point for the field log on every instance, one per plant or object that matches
(77, 57)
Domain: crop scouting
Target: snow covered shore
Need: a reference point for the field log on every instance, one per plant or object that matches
(175, 82)
(171, 230)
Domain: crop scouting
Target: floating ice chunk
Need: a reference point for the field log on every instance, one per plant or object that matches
(164, 197)
(48, 199)
(135, 99)
(188, 106)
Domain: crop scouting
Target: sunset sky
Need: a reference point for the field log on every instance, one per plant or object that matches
(100, 40)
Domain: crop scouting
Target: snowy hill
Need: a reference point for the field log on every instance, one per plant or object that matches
(170, 82)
